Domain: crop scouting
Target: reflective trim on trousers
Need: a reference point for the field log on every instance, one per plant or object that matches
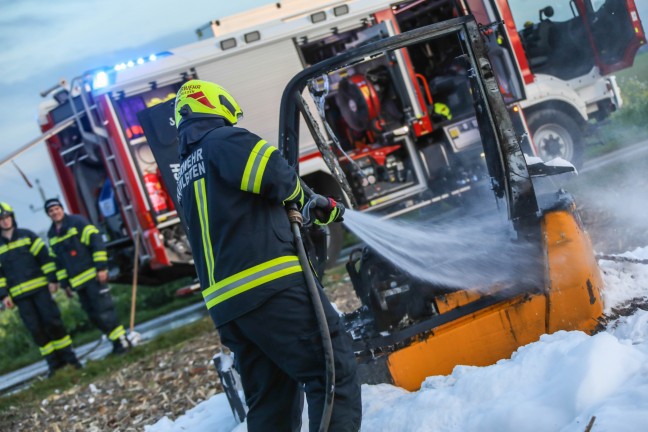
(62, 343)
(47, 349)
(54, 345)
(117, 333)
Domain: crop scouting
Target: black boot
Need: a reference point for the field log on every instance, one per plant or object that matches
(121, 345)
(118, 348)
(69, 356)
(76, 364)
(54, 363)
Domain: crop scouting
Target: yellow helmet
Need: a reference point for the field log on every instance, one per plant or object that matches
(198, 98)
(5, 209)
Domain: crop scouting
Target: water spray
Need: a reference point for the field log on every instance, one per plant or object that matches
(464, 253)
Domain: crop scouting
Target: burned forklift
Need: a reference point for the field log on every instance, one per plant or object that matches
(358, 106)
(408, 329)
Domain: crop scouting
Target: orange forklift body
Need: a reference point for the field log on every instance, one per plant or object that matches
(571, 301)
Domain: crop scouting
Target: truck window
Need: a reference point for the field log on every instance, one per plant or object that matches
(554, 37)
(603, 15)
(128, 107)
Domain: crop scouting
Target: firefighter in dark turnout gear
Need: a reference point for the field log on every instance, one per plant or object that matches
(28, 280)
(82, 266)
(232, 187)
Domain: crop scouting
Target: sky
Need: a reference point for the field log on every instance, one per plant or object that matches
(557, 384)
(42, 41)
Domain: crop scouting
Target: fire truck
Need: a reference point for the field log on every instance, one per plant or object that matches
(397, 124)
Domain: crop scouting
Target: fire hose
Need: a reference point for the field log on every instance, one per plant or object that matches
(296, 222)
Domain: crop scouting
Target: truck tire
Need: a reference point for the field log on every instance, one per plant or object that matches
(557, 134)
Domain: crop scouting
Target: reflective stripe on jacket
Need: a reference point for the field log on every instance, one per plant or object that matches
(78, 249)
(25, 264)
(232, 186)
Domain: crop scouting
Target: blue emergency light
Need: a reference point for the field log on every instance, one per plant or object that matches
(100, 80)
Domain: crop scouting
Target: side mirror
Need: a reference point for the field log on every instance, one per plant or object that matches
(548, 12)
(538, 168)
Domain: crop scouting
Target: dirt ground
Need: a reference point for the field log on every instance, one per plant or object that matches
(167, 384)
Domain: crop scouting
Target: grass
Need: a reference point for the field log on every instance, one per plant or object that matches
(628, 125)
(18, 350)
(639, 69)
(68, 378)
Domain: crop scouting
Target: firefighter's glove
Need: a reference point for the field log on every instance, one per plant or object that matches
(326, 210)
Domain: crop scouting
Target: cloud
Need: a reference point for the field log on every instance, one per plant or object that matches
(42, 41)
(37, 34)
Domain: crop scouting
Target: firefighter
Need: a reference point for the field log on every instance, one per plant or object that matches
(28, 280)
(232, 187)
(82, 263)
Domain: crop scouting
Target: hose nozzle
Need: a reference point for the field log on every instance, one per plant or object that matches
(294, 215)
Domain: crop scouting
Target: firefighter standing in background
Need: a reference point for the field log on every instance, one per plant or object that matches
(82, 263)
(27, 280)
(232, 187)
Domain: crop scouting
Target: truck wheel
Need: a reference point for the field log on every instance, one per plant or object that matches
(556, 134)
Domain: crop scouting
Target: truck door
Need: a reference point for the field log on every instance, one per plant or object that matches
(567, 38)
(616, 32)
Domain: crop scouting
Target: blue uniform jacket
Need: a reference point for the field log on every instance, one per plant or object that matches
(79, 251)
(232, 187)
(25, 264)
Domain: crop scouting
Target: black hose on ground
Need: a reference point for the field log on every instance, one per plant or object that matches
(295, 218)
(91, 350)
(621, 259)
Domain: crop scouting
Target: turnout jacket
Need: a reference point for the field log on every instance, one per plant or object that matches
(25, 264)
(232, 186)
(78, 250)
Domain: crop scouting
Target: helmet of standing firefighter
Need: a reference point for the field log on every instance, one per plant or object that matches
(7, 211)
(199, 99)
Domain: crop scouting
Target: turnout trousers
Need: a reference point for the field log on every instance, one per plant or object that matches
(98, 304)
(278, 353)
(42, 317)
